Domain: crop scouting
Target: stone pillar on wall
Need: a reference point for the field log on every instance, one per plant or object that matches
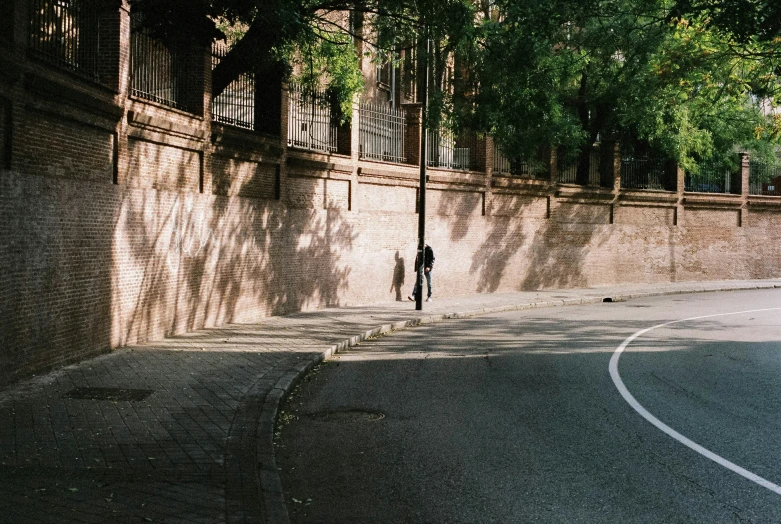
(284, 110)
(122, 27)
(616, 167)
(489, 155)
(680, 186)
(553, 167)
(198, 94)
(414, 121)
(489, 171)
(745, 172)
(103, 33)
(206, 184)
(353, 128)
(481, 155)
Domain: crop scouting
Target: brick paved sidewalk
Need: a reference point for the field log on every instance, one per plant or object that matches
(180, 431)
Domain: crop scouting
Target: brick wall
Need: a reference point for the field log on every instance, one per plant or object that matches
(123, 221)
(61, 147)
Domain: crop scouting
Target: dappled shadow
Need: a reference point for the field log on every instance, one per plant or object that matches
(490, 261)
(461, 207)
(189, 260)
(558, 255)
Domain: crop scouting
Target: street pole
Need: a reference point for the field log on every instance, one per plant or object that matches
(423, 158)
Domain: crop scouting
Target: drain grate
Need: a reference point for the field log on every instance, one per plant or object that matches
(346, 416)
(108, 394)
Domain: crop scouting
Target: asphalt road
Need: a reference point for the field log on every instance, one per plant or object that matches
(515, 417)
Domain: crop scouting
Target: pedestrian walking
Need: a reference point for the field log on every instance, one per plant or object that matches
(428, 266)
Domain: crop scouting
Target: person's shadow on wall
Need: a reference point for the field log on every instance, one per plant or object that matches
(398, 277)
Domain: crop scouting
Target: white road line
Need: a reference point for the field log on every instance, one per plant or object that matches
(667, 429)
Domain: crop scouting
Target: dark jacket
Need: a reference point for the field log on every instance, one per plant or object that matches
(428, 254)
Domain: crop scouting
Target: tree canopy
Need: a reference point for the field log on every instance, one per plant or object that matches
(626, 71)
(689, 79)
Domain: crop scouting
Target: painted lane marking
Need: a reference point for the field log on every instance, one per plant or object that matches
(667, 429)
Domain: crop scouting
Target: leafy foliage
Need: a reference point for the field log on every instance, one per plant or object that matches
(625, 71)
(688, 79)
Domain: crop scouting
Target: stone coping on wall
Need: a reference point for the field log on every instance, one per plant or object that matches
(764, 201)
(712, 200)
(319, 164)
(243, 143)
(584, 193)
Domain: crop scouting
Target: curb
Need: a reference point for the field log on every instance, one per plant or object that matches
(269, 484)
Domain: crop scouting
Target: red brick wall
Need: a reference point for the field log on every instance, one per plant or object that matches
(60, 147)
(123, 221)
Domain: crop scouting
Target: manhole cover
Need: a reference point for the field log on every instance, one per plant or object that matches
(108, 394)
(347, 416)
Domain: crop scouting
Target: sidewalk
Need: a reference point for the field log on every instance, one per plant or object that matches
(180, 431)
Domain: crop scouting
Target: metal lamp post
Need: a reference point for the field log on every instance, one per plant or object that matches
(423, 159)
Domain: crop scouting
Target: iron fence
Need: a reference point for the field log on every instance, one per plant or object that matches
(381, 133)
(159, 71)
(568, 172)
(764, 179)
(518, 167)
(712, 178)
(235, 106)
(65, 33)
(310, 122)
(645, 172)
(451, 151)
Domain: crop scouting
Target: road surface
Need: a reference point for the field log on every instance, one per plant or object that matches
(567, 414)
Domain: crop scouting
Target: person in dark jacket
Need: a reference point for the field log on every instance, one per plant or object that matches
(428, 266)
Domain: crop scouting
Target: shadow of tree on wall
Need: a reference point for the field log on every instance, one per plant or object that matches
(558, 254)
(188, 260)
(504, 241)
(463, 207)
(555, 248)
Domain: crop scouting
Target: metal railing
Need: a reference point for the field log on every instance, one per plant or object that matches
(568, 173)
(644, 172)
(712, 179)
(310, 123)
(381, 133)
(518, 167)
(235, 106)
(65, 33)
(764, 179)
(448, 150)
(158, 72)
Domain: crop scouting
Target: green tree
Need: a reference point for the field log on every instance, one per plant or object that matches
(272, 37)
(569, 73)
